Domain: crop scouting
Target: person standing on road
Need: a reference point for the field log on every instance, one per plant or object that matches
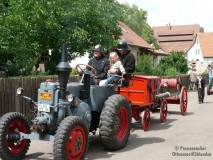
(200, 83)
(192, 78)
(210, 72)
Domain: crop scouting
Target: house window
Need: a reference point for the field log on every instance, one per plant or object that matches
(198, 51)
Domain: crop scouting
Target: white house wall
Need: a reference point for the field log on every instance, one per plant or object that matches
(195, 52)
(135, 50)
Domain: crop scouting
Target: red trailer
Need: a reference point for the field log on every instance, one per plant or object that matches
(178, 93)
(151, 94)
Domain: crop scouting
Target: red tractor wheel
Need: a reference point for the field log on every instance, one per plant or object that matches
(10, 146)
(163, 111)
(71, 139)
(183, 100)
(115, 122)
(145, 119)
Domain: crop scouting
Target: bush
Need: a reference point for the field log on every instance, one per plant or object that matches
(171, 72)
(144, 65)
(175, 60)
(159, 71)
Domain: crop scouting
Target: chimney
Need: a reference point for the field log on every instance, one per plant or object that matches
(63, 69)
(170, 27)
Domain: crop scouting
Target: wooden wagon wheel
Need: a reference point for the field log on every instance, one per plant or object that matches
(163, 111)
(183, 100)
(145, 119)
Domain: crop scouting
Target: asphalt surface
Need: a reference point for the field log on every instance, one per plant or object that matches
(181, 137)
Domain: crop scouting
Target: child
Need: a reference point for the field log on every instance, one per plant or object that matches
(200, 82)
(115, 65)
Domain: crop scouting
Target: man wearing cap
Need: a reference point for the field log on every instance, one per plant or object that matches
(126, 58)
(100, 63)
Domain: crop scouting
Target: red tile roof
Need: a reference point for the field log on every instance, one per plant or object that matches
(160, 52)
(132, 38)
(177, 37)
(206, 43)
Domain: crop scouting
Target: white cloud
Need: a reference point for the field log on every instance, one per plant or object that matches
(177, 12)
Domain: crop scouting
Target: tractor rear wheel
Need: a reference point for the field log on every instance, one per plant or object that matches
(71, 139)
(10, 125)
(115, 122)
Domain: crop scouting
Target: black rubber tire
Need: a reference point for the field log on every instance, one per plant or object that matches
(109, 131)
(69, 126)
(16, 151)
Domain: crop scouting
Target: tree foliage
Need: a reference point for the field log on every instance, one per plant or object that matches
(175, 63)
(145, 65)
(136, 19)
(30, 27)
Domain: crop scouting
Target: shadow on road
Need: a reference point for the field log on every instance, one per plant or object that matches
(179, 113)
(155, 124)
(36, 156)
(97, 151)
(207, 102)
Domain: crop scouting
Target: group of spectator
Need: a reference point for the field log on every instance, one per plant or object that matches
(196, 79)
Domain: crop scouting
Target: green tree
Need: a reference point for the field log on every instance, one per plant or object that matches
(136, 19)
(145, 65)
(30, 27)
(173, 63)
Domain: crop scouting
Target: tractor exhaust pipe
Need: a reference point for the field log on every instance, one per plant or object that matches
(63, 69)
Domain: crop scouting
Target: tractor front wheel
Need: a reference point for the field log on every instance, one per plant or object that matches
(71, 139)
(10, 125)
(115, 122)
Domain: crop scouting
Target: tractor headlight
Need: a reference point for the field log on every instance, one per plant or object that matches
(70, 98)
(20, 91)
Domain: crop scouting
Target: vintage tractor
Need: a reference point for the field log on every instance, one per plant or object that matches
(66, 113)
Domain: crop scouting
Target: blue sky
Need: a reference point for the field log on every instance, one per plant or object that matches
(177, 12)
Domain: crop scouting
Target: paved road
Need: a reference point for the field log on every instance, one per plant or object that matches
(181, 137)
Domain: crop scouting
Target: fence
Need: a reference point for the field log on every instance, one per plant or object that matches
(10, 102)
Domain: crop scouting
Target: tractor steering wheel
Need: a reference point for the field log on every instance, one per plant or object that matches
(88, 67)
